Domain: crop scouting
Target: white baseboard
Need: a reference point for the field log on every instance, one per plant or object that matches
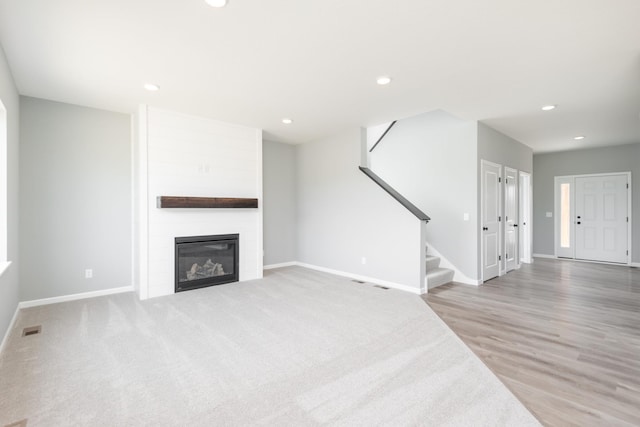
(544, 256)
(280, 265)
(373, 280)
(8, 332)
(635, 264)
(73, 297)
(466, 281)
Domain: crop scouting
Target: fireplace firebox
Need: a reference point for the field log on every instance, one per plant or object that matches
(206, 261)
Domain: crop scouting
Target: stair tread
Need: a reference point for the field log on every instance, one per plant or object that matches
(439, 276)
(440, 271)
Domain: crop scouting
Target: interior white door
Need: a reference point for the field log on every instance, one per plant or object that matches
(510, 218)
(490, 205)
(601, 221)
(524, 215)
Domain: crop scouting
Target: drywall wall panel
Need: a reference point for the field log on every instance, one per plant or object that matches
(347, 222)
(279, 193)
(75, 199)
(431, 159)
(499, 148)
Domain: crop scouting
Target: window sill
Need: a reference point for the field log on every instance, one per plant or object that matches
(4, 266)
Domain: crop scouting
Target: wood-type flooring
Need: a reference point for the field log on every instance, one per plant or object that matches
(563, 336)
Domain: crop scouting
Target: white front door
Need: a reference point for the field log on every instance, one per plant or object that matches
(490, 206)
(601, 218)
(510, 218)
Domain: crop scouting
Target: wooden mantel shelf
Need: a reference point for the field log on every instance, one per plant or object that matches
(205, 202)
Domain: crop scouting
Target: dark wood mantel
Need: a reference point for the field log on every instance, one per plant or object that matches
(205, 202)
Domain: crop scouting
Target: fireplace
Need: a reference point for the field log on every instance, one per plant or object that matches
(206, 261)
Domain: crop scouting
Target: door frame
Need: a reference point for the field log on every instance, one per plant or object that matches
(500, 208)
(556, 211)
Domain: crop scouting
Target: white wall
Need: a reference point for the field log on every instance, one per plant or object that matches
(9, 290)
(191, 156)
(280, 219)
(344, 216)
(75, 199)
(431, 159)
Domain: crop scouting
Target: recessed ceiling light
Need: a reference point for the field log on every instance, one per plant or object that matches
(287, 121)
(383, 80)
(549, 107)
(579, 137)
(216, 3)
(151, 87)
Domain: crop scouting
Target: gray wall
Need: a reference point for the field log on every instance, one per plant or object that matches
(9, 291)
(431, 159)
(344, 216)
(75, 199)
(499, 148)
(279, 195)
(546, 166)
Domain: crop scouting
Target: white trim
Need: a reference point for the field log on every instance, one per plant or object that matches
(635, 264)
(4, 266)
(8, 332)
(280, 265)
(544, 256)
(73, 297)
(362, 278)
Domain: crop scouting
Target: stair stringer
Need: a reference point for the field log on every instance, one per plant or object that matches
(458, 276)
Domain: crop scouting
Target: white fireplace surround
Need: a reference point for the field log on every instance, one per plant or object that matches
(180, 155)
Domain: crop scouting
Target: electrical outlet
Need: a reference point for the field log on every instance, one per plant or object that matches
(465, 217)
(549, 214)
(88, 273)
(363, 260)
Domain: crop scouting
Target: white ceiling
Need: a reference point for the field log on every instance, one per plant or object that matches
(256, 61)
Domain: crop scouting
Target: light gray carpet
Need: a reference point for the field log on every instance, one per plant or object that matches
(297, 348)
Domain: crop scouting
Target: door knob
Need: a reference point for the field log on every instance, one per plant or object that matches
(578, 223)
(485, 228)
(578, 216)
(515, 225)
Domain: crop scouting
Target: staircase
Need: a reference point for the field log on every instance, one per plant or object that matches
(436, 275)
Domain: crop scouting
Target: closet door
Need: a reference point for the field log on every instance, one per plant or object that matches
(510, 218)
(490, 208)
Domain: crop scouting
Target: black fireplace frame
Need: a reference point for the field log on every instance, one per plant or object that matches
(208, 281)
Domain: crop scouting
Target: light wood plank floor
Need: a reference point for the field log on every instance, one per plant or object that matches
(563, 336)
